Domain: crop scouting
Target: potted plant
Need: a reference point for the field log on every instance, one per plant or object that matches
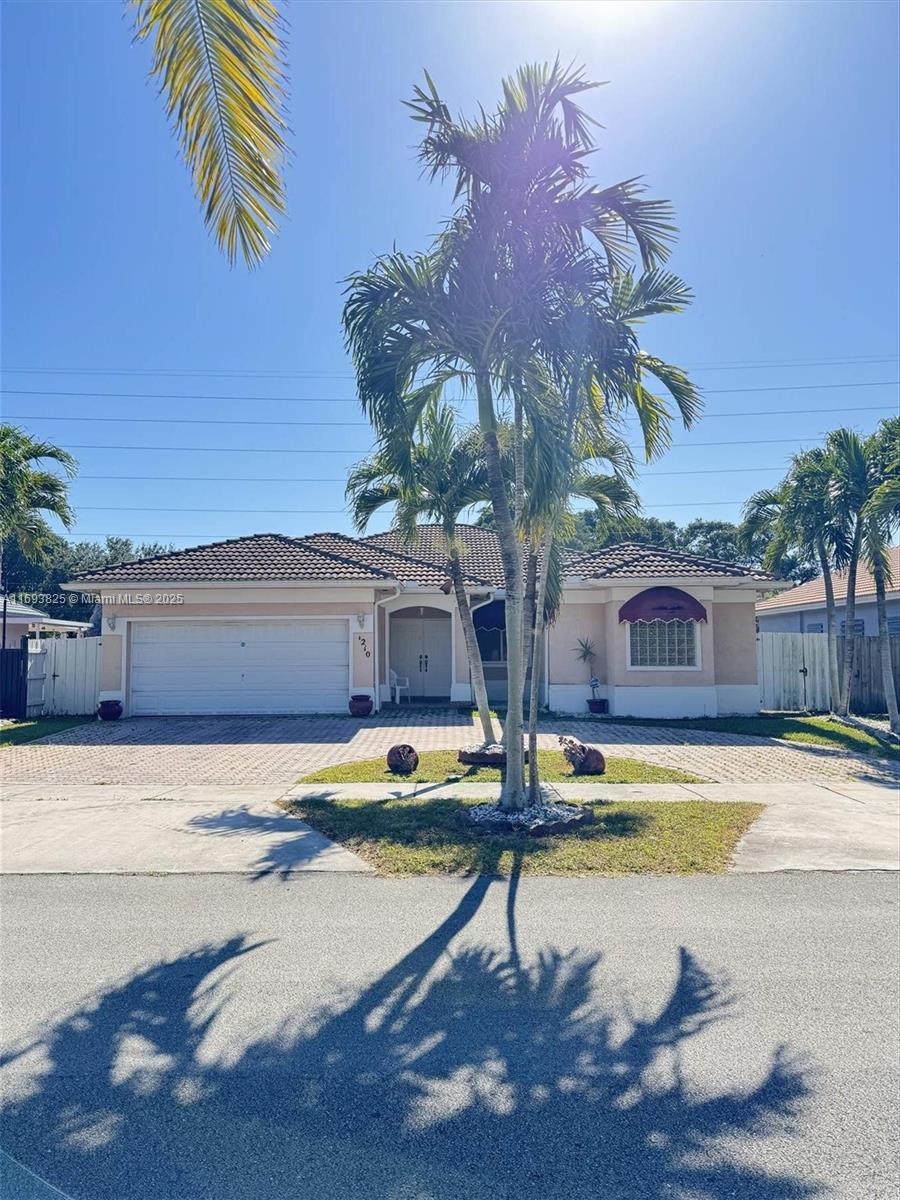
(596, 704)
(587, 654)
(360, 705)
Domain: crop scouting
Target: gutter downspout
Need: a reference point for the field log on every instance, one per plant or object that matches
(375, 608)
(489, 599)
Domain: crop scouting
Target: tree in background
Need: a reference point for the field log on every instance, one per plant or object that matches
(446, 476)
(220, 67)
(852, 486)
(529, 245)
(714, 539)
(39, 582)
(799, 516)
(29, 494)
(881, 515)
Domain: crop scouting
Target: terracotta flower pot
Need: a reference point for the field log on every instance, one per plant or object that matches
(598, 706)
(360, 706)
(402, 759)
(109, 710)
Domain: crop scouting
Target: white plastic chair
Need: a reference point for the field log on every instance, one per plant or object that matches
(400, 683)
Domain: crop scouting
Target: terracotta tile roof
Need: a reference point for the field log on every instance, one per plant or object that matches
(636, 560)
(274, 556)
(812, 594)
(480, 556)
(384, 556)
(397, 559)
(260, 556)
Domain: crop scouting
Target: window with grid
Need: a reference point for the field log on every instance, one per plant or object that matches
(859, 627)
(663, 643)
(894, 626)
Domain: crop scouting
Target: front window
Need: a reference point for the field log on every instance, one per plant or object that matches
(492, 644)
(662, 643)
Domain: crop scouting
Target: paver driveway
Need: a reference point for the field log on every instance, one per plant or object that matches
(150, 751)
(226, 750)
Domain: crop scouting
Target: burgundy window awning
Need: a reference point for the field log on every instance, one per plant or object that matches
(662, 604)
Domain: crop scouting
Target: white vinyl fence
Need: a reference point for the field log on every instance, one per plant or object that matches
(63, 676)
(793, 671)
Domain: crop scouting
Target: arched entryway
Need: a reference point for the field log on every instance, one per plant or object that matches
(420, 649)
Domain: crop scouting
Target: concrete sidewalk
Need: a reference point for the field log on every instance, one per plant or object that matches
(834, 826)
(187, 830)
(82, 829)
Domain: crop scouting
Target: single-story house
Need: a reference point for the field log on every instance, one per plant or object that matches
(276, 624)
(24, 621)
(802, 609)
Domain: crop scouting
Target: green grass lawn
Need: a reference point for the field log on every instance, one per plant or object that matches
(816, 731)
(423, 836)
(27, 731)
(441, 766)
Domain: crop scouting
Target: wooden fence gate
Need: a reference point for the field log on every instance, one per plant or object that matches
(63, 676)
(794, 676)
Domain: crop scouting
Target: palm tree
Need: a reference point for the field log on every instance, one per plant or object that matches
(448, 476)
(799, 515)
(28, 494)
(528, 246)
(548, 518)
(851, 488)
(881, 514)
(219, 63)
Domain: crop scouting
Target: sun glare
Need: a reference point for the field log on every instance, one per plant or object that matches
(613, 14)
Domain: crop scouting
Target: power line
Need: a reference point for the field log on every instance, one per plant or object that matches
(787, 387)
(762, 412)
(368, 449)
(333, 512)
(313, 511)
(218, 372)
(343, 478)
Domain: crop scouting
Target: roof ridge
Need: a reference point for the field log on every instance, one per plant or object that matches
(688, 555)
(417, 562)
(150, 558)
(414, 559)
(304, 541)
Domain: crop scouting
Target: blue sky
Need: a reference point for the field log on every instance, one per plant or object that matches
(771, 126)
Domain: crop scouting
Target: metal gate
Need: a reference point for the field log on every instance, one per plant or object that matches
(14, 682)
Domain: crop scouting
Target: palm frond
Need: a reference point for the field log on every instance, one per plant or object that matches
(219, 63)
(632, 298)
(678, 385)
(620, 213)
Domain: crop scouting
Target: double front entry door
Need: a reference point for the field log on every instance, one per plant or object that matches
(420, 651)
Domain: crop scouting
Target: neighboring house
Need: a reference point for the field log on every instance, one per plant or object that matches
(276, 624)
(22, 621)
(802, 609)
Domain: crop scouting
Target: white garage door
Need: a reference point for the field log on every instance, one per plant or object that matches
(211, 667)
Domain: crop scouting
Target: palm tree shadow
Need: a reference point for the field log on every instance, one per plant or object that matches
(286, 843)
(457, 1072)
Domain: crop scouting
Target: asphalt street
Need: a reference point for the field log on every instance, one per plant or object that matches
(185, 1037)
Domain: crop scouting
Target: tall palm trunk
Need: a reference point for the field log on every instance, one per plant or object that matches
(5, 593)
(473, 652)
(513, 793)
(884, 649)
(849, 618)
(529, 613)
(537, 663)
(834, 677)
